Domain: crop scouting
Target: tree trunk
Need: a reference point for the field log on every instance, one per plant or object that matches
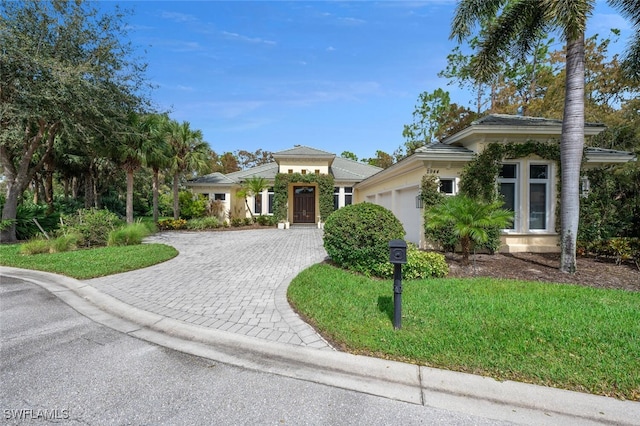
(571, 148)
(156, 189)
(9, 211)
(176, 196)
(465, 245)
(129, 195)
(48, 185)
(88, 191)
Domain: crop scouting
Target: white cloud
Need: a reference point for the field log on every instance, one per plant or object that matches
(177, 16)
(239, 37)
(602, 22)
(331, 49)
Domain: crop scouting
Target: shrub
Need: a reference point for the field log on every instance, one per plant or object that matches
(203, 223)
(265, 220)
(128, 235)
(93, 225)
(26, 227)
(171, 224)
(620, 249)
(192, 207)
(357, 236)
(64, 243)
(237, 222)
(247, 221)
(420, 265)
(35, 246)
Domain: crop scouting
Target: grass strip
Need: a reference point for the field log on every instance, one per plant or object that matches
(564, 336)
(89, 263)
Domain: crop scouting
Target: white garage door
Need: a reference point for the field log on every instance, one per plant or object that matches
(405, 210)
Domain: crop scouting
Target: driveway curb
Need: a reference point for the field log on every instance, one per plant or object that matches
(482, 396)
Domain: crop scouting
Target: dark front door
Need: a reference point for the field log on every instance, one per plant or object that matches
(304, 204)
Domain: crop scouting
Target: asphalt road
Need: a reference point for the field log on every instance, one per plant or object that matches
(57, 365)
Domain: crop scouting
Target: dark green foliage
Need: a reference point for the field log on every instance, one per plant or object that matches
(26, 228)
(472, 221)
(612, 208)
(420, 265)
(192, 207)
(443, 238)
(281, 187)
(357, 237)
(619, 249)
(478, 179)
(265, 220)
(93, 225)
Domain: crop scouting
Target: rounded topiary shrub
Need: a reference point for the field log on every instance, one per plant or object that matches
(357, 237)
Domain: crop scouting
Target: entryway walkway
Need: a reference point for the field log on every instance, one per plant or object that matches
(233, 281)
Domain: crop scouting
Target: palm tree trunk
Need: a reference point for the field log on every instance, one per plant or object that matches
(129, 196)
(155, 195)
(176, 197)
(571, 148)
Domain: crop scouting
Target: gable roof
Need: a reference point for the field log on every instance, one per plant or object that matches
(342, 169)
(302, 152)
(521, 120)
(505, 124)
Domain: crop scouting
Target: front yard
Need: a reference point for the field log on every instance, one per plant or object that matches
(559, 335)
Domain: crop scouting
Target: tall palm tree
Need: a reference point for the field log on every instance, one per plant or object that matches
(160, 157)
(189, 153)
(470, 219)
(131, 149)
(515, 26)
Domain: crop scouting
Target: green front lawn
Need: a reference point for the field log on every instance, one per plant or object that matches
(85, 264)
(564, 336)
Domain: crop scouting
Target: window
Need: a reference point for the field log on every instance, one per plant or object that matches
(270, 193)
(538, 193)
(304, 172)
(508, 188)
(336, 198)
(257, 204)
(220, 197)
(205, 195)
(447, 186)
(317, 171)
(290, 171)
(348, 196)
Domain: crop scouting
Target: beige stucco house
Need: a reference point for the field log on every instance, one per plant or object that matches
(303, 196)
(528, 185)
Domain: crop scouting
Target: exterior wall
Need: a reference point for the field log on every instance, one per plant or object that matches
(398, 193)
(512, 243)
(306, 166)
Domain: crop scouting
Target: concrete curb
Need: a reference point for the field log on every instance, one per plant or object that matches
(482, 396)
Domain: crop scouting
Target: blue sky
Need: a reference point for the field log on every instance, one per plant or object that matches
(334, 75)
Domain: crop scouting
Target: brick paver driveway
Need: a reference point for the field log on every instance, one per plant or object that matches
(234, 281)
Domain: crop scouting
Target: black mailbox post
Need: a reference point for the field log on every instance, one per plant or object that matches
(398, 257)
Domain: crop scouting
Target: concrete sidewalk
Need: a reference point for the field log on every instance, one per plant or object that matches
(223, 298)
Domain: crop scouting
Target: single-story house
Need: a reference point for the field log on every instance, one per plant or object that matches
(303, 196)
(528, 184)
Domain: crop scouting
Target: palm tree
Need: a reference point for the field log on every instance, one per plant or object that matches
(471, 219)
(159, 158)
(515, 26)
(189, 153)
(131, 150)
(252, 187)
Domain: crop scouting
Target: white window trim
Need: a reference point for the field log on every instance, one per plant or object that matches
(548, 207)
(517, 181)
